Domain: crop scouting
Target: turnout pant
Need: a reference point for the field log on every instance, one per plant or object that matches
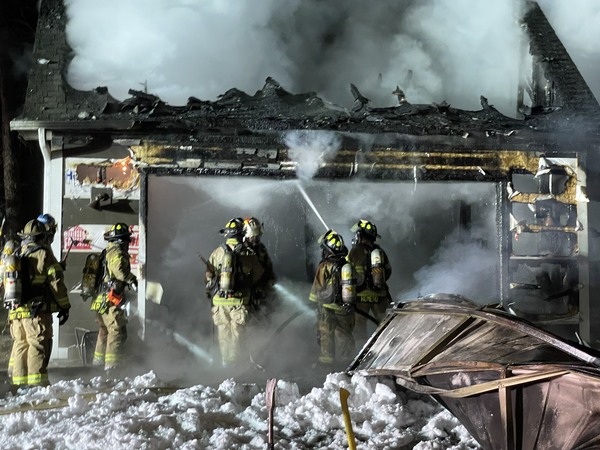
(230, 322)
(112, 334)
(335, 336)
(377, 310)
(32, 344)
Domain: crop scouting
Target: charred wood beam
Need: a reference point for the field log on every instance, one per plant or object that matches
(506, 413)
(380, 164)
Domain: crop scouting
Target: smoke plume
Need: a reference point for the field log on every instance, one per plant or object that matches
(434, 50)
(310, 149)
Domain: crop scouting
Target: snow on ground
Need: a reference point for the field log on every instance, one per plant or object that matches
(144, 413)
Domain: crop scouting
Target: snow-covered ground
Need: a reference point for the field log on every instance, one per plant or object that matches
(142, 412)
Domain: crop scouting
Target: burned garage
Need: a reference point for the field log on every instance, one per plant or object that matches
(496, 208)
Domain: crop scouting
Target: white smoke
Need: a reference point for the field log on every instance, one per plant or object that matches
(462, 268)
(455, 50)
(310, 149)
(418, 226)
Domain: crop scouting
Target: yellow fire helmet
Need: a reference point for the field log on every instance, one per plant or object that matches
(365, 227)
(118, 232)
(235, 227)
(333, 242)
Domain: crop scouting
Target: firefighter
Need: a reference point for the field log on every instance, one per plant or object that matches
(231, 274)
(43, 292)
(262, 292)
(109, 303)
(334, 294)
(372, 272)
(10, 246)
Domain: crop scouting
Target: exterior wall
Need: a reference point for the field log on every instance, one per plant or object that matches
(82, 227)
(80, 176)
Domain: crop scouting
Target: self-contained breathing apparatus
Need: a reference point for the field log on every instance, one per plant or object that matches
(229, 283)
(12, 280)
(91, 277)
(226, 284)
(366, 234)
(342, 277)
(348, 282)
(344, 283)
(226, 275)
(377, 268)
(93, 282)
(16, 280)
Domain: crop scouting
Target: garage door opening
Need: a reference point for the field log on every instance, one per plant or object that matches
(439, 237)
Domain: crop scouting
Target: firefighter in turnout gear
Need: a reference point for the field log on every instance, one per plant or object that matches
(31, 303)
(262, 291)
(232, 272)
(372, 272)
(334, 293)
(110, 301)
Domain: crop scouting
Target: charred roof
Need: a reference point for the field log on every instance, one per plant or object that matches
(562, 101)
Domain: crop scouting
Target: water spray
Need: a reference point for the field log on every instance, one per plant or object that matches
(196, 350)
(415, 178)
(293, 299)
(311, 204)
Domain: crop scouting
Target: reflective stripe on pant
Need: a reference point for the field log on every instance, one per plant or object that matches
(335, 336)
(11, 362)
(111, 337)
(32, 344)
(230, 322)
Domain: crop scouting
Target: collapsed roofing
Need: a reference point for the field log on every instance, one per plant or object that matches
(511, 384)
(561, 101)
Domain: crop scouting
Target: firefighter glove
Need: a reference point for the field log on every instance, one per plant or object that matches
(348, 308)
(211, 287)
(63, 316)
(318, 309)
(133, 284)
(114, 297)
